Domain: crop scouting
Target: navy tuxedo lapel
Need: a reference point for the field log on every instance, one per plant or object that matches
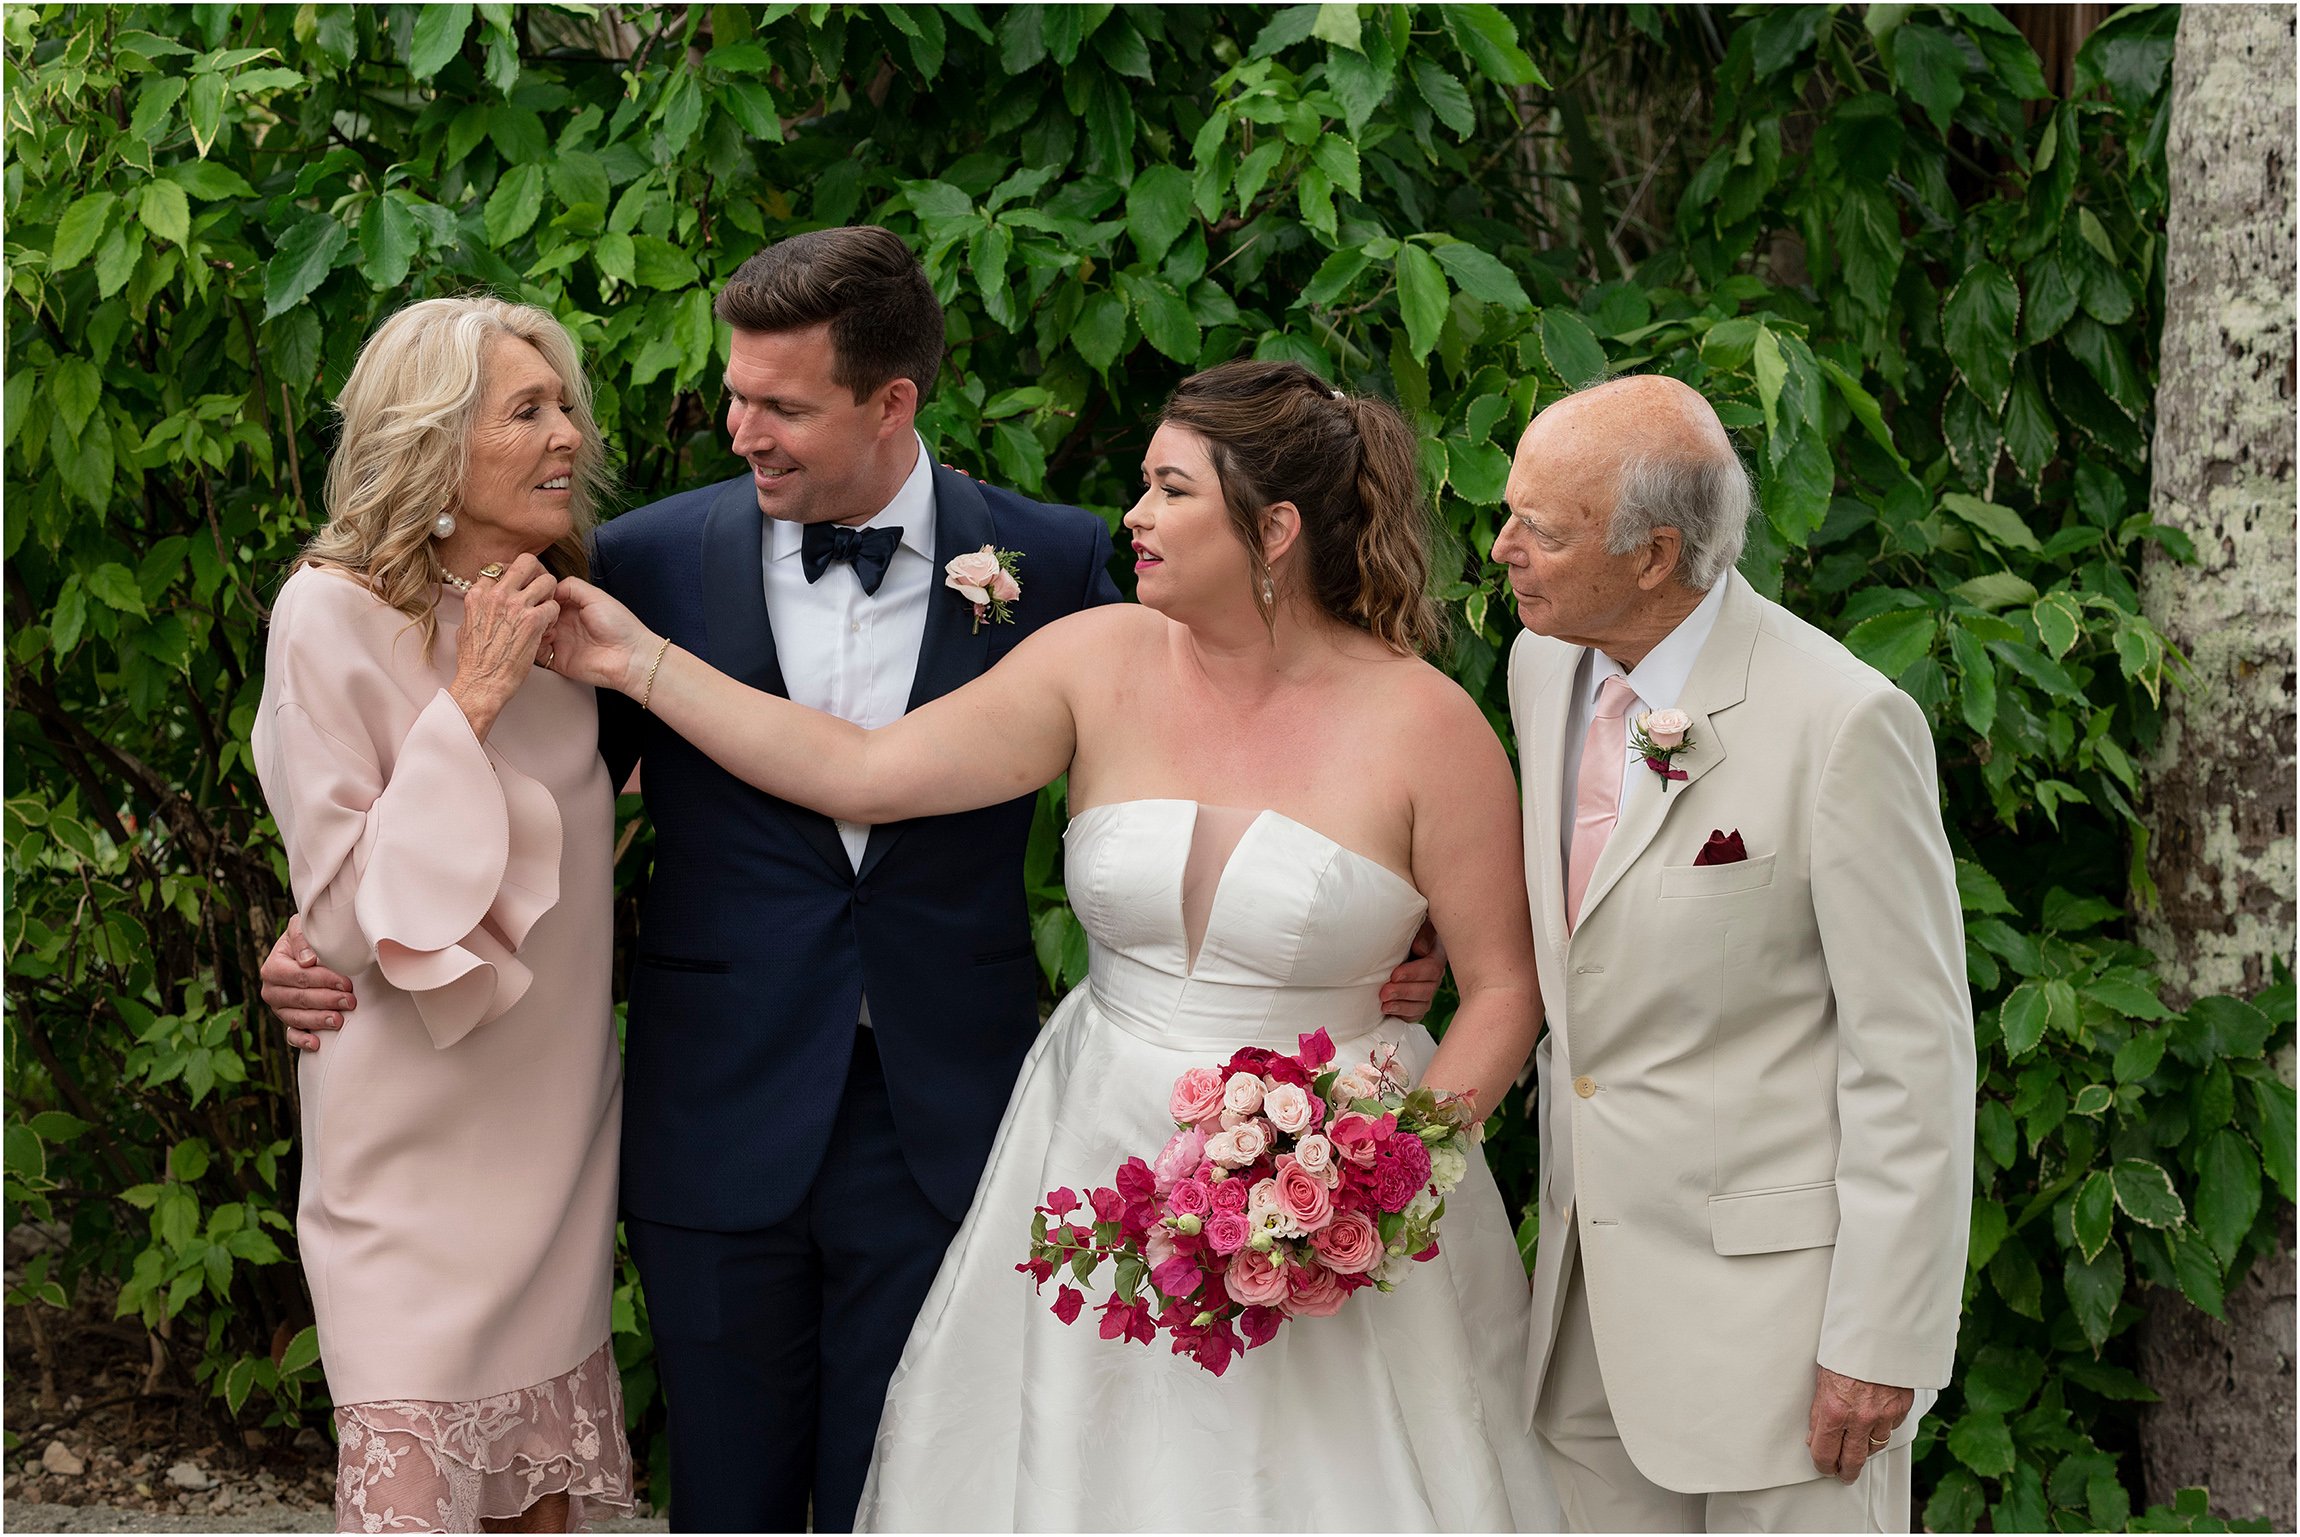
(739, 634)
(742, 640)
(953, 651)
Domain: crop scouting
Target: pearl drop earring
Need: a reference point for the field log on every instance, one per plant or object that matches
(1269, 593)
(443, 526)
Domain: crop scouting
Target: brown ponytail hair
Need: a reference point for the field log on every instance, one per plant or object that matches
(1279, 433)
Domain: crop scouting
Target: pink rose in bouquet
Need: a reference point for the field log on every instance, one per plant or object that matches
(1350, 1244)
(1290, 1109)
(1316, 1154)
(1312, 1291)
(1262, 1207)
(1179, 1159)
(1256, 1279)
(1242, 1095)
(1227, 1232)
(1197, 1096)
(1248, 1142)
(1303, 1197)
(1359, 1082)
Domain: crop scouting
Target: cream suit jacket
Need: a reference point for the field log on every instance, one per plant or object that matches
(1762, 1071)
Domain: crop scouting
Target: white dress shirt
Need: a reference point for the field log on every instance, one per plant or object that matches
(1658, 682)
(846, 652)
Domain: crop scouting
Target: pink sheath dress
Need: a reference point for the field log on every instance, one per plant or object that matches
(460, 1133)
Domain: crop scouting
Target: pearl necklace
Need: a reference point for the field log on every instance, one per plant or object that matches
(454, 581)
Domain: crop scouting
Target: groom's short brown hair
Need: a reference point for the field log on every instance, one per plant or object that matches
(864, 282)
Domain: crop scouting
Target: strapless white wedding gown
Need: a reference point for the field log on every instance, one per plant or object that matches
(1403, 1412)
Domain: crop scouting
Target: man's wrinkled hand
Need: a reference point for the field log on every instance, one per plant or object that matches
(1412, 986)
(1851, 1422)
(307, 997)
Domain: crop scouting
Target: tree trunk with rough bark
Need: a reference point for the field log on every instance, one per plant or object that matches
(2220, 803)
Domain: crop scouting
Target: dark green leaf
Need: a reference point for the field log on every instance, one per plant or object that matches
(2199, 1271)
(1478, 472)
(1977, 322)
(1165, 319)
(1489, 42)
(1157, 211)
(513, 206)
(2144, 1192)
(2095, 1287)
(1982, 1442)
(2024, 1017)
(388, 240)
(1570, 349)
(1928, 64)
(1421, 297)
(1360, 85)
(78, 231)
(208, 181)
(2228, 1185)
(1956, 1503)
(2095, 1214)
(2002, 1379)
(439, 32)
(660, 264)
(1445, 95)
(1100, 329)
(1893, 642)
(2271, 1123)
(2138, 1058)
(1484, 278)
(301, 261)
(1288, 27)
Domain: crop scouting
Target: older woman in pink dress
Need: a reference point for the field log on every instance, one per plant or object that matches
(448, 826)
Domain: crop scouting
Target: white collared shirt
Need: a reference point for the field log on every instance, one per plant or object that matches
(846, 652)
(1658, 682)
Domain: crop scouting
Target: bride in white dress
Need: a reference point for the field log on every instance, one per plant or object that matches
(1270, 790)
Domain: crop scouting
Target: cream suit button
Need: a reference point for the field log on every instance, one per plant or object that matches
(1585, 1086)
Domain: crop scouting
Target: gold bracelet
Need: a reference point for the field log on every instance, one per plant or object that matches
(649, 692)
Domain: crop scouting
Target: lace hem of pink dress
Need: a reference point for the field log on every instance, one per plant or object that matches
(413, 1465)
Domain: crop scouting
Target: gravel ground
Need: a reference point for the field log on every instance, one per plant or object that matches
(265, 1516)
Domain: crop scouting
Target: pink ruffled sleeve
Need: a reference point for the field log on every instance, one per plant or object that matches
(433, 872)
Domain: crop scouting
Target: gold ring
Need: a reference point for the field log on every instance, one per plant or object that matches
(1880, 1440)
(491, 570)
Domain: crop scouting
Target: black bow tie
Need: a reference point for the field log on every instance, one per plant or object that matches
(868, 550)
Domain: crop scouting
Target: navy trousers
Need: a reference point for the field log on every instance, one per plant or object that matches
(775, 1345)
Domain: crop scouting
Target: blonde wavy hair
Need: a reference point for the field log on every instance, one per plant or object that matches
(406, 417)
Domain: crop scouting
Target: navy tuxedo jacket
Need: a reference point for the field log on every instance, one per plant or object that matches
(758, 939)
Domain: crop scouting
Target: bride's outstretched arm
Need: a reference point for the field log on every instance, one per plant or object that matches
(1005, 734)
(1469, 860)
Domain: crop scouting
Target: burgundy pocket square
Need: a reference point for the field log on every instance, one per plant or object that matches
(1722, 849)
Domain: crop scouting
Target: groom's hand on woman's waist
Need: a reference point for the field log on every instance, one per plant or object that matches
(1413, 985)
(307, 997)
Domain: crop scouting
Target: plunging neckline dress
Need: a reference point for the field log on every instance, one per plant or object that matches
(1403, 1412)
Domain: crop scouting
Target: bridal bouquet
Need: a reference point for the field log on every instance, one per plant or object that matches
(1288, 1185)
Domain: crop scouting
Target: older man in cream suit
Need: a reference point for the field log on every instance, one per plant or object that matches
(1757, 1082)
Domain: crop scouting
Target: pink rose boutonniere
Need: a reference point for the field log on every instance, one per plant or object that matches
(986, 579)
(1658, 737)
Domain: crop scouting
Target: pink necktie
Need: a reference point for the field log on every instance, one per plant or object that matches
(1597, 790)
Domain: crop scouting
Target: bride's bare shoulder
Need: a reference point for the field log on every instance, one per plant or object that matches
(1104, 628)
(1435, 707)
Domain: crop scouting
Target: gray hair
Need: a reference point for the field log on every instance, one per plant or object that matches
(1705, 498)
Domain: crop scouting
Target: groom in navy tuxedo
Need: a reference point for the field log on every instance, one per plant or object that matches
(825, 1019)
